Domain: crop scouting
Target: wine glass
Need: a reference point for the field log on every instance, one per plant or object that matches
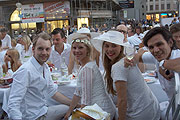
(129, 51)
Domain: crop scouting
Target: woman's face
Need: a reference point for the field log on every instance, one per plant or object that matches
(80, 51)
(111, 50)
(8, 57)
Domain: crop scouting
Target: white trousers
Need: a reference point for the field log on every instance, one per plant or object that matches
(55, 112)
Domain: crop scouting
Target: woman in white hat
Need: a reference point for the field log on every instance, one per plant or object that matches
(135, 99)
(90, 85)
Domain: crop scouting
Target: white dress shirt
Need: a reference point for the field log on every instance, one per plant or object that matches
(29, 89)
(57, 59)
(140, 36)
(6, 42)
(167, 85)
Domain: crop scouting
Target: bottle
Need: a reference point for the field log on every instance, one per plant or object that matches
(63, 67)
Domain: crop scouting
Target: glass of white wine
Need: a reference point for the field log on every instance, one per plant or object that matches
(129, 51)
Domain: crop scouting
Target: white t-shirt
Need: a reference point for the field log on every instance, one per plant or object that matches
(141, 102)
(167, 85)
(2, 54)
(6, 42)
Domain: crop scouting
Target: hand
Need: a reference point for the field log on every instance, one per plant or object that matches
(165, 74)
(128, 62)
(67, 115)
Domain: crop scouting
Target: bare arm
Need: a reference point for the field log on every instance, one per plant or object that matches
(122, 99)
(71, 63)
(74, 103)
(172, 64)
(61, 98)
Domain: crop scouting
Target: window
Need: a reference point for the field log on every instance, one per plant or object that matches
(157, 7)
(151, 0)
(168, 6)
(151, 7)
(162, 6)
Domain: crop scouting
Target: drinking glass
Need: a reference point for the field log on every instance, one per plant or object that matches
(129, 51)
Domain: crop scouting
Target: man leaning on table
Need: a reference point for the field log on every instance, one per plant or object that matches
(31, 83)
(160, 44)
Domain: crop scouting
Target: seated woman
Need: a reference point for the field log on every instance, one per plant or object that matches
(12, 57)
(27, 47)
(135, 99)
(90, 85)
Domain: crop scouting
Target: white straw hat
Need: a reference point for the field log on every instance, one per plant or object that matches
(83, 30)
(110, 36)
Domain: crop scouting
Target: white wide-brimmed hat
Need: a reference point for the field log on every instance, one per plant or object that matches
(110, 36)
(83, 30)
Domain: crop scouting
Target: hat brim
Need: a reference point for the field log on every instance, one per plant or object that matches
(97, 42)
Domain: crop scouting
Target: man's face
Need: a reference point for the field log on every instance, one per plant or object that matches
(2, 35)
(57, 40)
(159, 48)
(122, 29)
(42, 50)
(176, 37)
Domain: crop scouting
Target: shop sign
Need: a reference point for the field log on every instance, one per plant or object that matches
(126, 4)
(32, 13)
(55, 10)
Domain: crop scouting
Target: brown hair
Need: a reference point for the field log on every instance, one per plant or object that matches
(15, 58)
(42, 35)
(107, 63)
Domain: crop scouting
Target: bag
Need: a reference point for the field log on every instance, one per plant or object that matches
(93, 112)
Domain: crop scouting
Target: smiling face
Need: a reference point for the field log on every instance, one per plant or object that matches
(111, 50)
(80, 51)
(176, 37)
(42, 50)
(159, 48)
(57, 40)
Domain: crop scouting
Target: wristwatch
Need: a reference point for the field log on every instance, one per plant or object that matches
(161, 64)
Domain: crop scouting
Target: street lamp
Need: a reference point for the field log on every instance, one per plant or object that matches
(19, 7)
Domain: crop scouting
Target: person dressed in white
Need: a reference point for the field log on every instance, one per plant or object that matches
(138, 33)
(160, 44)
(32, 83)
(90, 85)
(135, 99)
(60, 50)
(5, 38)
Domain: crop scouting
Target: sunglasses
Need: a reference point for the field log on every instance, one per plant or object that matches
(123, 31)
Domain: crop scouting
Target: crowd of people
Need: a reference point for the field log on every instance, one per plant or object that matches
(97, 55)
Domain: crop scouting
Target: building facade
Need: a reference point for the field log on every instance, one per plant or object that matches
(157, 9)
(57, 13)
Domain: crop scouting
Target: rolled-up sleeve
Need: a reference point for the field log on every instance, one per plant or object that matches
(17, 92)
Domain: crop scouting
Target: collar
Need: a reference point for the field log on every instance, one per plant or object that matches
(65, 47)
(37, 65)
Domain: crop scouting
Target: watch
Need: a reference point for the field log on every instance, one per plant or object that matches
(161, 64)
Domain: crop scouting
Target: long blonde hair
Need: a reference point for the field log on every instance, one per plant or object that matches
(107, 63)
(26, 39)
(15, 63)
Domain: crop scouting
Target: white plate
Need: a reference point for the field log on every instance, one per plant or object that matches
(63, 82)
(148, 81)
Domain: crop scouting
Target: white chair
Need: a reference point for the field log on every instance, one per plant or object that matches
(174, 105)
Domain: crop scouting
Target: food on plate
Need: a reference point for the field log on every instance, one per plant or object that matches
(55, 76)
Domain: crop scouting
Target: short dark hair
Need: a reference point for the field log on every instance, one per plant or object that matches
(0, 43)
(60, 31)
(175, 28)
(157, 30)
(42, 35)
(3, 29)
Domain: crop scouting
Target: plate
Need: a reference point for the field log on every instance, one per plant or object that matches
(148, 81)
(63, 82)
(152, 74)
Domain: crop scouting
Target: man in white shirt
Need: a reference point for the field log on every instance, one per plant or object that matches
(160, 44)
(123, 29)
(132, 39)
(5, 38)
(32, 83)
(60, 50)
